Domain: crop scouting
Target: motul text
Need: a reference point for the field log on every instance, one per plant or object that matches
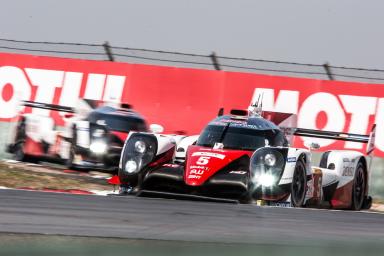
(185, 100)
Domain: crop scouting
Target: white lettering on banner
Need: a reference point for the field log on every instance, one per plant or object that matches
(379, 141)
(71, 89)
(95, 85)
(114, 88)
(98, 86)
(286, 102)
(313, 106)
(360, 109)
(46, 82)
(21, 90)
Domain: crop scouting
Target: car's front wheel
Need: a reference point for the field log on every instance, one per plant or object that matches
(359, 187)
(299, 185)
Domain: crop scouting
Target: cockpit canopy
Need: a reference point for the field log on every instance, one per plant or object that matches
(242, 134)
(118, 119)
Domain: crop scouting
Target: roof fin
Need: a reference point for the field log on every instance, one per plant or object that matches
(256, 109)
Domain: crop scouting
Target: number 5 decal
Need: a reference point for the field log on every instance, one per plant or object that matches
(203, 160)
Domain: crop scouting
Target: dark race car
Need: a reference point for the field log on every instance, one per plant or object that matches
(92, 137)
(246, 158)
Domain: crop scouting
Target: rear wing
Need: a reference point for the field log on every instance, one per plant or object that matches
(331, 135)
(81, 108)
(40, 105)
(368, 139)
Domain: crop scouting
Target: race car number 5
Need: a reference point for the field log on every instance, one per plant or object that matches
(203, 160)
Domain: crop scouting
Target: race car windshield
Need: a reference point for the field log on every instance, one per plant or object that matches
(116, 123)
(241, 138)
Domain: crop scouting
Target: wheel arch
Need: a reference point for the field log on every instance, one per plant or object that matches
(305, 156)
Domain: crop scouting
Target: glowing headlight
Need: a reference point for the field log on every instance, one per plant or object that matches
(140, 146)
(270, 159)
(98, 133)
(98, 147)
(266, 180)
(130, 166)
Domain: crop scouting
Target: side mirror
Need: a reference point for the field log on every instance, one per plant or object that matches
(156, 128)
(312, 145)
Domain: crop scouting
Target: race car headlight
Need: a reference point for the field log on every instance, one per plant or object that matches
(139, 150)
(266, 180)
(140, 146)
(98, 147)
(131, 166)
(270, 159)
(267, 166)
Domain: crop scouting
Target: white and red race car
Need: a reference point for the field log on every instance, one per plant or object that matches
(92, 137)
(247, 157)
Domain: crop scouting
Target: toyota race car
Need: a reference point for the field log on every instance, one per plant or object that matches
(246, 157)
(91, 138)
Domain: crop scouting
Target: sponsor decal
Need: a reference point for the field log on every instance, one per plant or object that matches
(291, 159)
(199, 167)
(280, 204)
(209, 154)
(171, 165)
(238, 172)
(197, 172)
(192, 176)
(347, 171)
(274, 204)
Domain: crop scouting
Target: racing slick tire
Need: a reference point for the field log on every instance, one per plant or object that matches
(19, 154)
(299, 185)
(18, 150)
(69, 162)
(359, 188)
(367, 203)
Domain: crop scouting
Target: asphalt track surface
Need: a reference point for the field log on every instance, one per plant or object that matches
(164, 219)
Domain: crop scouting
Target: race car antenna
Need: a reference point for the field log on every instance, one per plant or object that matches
(256, 109)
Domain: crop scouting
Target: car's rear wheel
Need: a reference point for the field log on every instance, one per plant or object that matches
(19, 154)
(299, 185)
(359, 187)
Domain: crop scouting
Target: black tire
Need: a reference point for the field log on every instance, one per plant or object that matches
(69, 162)
(299, 185)
(18, 153)
(367, 203)
(359, 187)
(18, 150)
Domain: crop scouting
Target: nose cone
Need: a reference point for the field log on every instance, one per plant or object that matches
(202, 163)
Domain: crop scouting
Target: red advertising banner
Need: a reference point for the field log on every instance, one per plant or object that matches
(183, 99)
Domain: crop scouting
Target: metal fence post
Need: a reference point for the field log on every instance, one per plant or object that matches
(328, 71)
(215, 61)
(108, 51)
